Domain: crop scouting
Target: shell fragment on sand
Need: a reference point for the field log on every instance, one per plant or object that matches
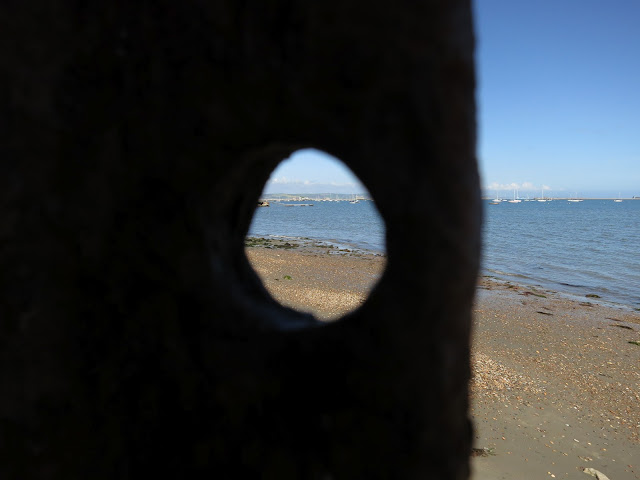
(595, 473)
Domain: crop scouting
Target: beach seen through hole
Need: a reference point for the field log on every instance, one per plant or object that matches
(317, 240)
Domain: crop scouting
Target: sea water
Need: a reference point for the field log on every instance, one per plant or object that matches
(577, 248)
(580, 248)
(343, 224)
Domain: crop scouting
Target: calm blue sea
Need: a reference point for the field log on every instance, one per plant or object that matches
(575, 248)
(344, 224)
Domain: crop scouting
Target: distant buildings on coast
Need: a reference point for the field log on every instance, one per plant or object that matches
(350, 197)
(314, 197)
(498, 197)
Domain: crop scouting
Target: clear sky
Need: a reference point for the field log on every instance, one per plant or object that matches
(313, 171)
(558, 103)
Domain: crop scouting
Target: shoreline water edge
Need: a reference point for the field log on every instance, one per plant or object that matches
(577, 249)
(555, 386)
(350, 249)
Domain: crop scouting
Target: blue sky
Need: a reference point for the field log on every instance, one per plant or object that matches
(558, 103)
(313, 171)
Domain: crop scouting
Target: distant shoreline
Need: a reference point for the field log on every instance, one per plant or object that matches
(569, 198)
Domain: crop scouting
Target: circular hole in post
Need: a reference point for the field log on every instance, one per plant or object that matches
(317, 240)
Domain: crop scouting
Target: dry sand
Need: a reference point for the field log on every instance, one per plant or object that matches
(316, 277)
(556, 385)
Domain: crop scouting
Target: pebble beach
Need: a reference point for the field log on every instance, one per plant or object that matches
(555, 391)
(556, 386)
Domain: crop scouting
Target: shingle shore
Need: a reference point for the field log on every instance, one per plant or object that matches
(316, 277)
(556, 381)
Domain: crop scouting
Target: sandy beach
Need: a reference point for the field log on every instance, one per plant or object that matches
(556, 385)
(315, 277)
(556, 379)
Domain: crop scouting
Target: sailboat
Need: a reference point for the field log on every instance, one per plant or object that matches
(618, 200)
(575, 198)
(496, 200)
(515, 200)
(542, 199)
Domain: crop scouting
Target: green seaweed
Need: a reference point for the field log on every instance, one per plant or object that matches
(535, 294)
(287, 245)
(257, 242)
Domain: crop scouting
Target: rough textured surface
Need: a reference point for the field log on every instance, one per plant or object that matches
(135, 138)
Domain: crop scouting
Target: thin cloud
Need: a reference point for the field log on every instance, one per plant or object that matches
(284, 181)
(525, 186)
(296, 181)
(345, 184)
(310, 187)
(290, 181)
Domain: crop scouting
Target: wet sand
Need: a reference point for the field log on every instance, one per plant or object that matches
(556, 384)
